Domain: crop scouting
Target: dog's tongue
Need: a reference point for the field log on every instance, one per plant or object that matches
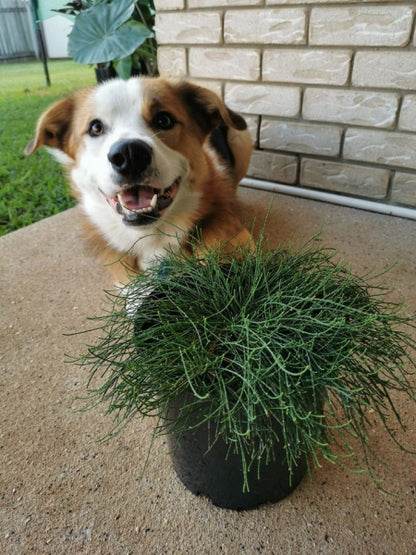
(137, 199)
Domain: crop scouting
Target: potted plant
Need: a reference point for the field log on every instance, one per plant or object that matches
(257, 366)
(116, 35)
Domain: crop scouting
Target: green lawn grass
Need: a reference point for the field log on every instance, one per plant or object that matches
(32, 188)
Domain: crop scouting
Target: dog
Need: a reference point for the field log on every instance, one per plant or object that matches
(153, 163)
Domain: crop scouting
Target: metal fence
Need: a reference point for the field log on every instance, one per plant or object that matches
(17, 38)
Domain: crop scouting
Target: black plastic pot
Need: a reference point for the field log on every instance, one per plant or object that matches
(218, 474)
(214, 471)
(105, 73)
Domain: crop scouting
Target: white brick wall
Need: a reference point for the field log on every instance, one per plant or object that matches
(407, 119)
(385, 69)
(300, 137)
(278, 26)
(256, 98)
(367, 108)
(328, 87)
(220, 63)
(345, 178)
(330, 67)
(189, 28)
(379, 25)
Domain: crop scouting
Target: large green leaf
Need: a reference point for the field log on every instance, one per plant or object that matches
(123, 67)
(103, 33)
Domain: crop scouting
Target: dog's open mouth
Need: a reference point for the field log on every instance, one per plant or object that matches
(142, 204)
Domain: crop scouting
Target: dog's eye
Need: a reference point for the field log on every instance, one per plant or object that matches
(96, 128)
(164, 121)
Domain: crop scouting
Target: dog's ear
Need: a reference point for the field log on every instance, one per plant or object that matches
(53, 127)
(208, 110)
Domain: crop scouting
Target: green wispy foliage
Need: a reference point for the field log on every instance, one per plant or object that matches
(271, 335)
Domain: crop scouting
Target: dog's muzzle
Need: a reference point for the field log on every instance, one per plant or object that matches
(130, 159)
(138, 201)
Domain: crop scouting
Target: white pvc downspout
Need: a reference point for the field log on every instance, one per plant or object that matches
(312, 194)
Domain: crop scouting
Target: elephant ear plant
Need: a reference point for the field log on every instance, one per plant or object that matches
(284, 337)
(117, 35)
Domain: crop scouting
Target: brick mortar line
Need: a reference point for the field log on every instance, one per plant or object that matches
(390, 184)
(413, 28)
(289, 46)
(301, 100)
(187, 67)
(298, 168)
(307, 26)
(351, 69)
(398, 114)
(342, 140)
(258, 132)
(322, 5)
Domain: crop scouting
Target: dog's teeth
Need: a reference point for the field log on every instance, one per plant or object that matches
(151, 208)
(153, 202)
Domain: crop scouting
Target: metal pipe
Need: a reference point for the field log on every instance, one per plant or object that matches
(41, 43)
(312, 194)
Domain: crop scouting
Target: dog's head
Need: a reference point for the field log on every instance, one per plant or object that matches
(134, 146)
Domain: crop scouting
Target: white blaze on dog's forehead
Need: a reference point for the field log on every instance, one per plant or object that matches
(119, 102)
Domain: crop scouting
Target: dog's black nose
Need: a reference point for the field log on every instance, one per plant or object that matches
(130, 158)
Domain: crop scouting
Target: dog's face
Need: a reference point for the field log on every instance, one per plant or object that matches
(134, 149)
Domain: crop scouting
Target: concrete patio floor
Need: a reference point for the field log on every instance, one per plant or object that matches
(62, 491)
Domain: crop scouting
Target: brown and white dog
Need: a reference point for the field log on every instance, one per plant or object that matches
(151, 162)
